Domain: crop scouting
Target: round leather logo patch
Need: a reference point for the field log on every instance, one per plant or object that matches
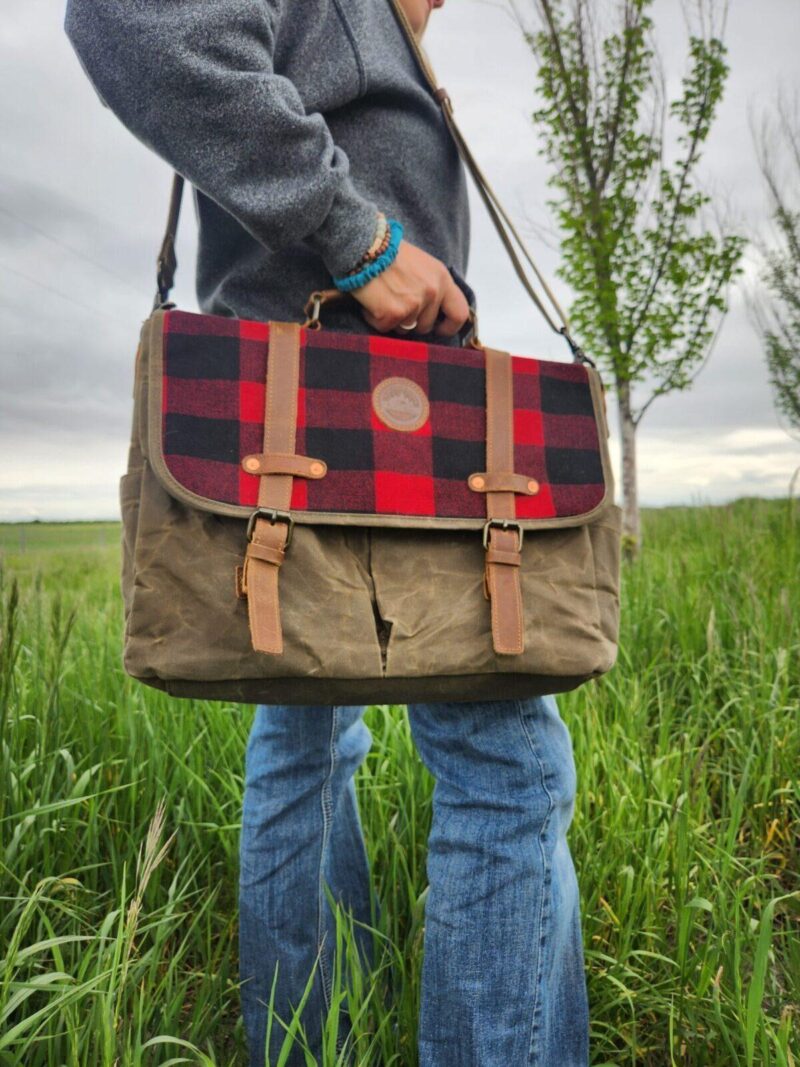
(400, 404)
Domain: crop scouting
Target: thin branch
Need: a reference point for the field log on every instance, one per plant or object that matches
(578, 118)
(670, 381)
(660, 267)
(606, 165)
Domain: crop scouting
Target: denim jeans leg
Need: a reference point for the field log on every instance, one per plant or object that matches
(503, 978)
(300, 830)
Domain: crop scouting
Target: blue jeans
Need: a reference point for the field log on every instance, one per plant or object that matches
(503, 979)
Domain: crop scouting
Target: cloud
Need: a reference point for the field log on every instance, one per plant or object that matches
(82, 206)
(746, 462)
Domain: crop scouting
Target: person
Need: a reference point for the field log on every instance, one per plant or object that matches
(303, 129)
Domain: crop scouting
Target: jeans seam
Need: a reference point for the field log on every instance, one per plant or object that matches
(533, 1055)
(327, 818)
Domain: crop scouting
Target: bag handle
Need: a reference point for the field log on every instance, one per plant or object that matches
(508, 233)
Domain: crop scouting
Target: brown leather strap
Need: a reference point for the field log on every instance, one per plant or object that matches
(265, 550)
(167, 261)
(284, 463)
(503, 555)
(496, 481)
(495, 555)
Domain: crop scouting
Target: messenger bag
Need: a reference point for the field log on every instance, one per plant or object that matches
(312, 516)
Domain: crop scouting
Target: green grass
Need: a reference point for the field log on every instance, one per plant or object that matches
(120, 807)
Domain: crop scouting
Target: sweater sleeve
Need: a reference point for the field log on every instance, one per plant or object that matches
(194, 81)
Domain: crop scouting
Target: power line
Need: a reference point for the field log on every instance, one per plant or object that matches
(70, 248)
(94, 310)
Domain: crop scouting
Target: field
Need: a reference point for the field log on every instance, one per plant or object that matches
(686, 834)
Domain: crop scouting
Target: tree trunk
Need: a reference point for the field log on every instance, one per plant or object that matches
(631, 531)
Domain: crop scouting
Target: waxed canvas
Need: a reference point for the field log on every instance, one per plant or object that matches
(370, 613)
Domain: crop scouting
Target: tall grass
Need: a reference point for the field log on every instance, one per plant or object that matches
(120, 807)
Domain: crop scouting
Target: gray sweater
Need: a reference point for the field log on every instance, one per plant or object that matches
(294, 120)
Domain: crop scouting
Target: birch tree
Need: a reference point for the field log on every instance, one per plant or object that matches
(777, 315)
(650, 276)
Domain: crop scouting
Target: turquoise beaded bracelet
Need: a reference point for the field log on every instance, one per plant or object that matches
(377, 266)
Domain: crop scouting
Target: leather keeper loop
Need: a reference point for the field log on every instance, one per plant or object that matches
(502, 481)
(241, 592)
(498, 555)
(284, 463)
(265, 552)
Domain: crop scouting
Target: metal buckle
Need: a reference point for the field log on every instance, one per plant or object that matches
(272, 514)
(505, 524)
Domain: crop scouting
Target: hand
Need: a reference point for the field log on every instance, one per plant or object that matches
(417, 286)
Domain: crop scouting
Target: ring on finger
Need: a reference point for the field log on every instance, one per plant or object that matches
(408, 326)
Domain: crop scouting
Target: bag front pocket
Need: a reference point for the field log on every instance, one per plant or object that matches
(429, 591)
(188, 623)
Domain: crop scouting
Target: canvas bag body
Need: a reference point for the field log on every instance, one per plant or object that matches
(371, 612)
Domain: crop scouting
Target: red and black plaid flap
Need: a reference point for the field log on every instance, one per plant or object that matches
(212, 401)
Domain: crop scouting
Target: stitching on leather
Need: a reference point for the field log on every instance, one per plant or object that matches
(492, 605)
(518, 605)
(517, 582)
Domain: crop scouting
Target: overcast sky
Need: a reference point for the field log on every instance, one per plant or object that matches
(82, 204)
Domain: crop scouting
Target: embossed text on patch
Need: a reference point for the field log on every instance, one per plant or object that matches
(400, 403)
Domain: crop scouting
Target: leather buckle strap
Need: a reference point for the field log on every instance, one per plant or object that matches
(270, 526)
(255, 550)
(501, 555)
(502, 534)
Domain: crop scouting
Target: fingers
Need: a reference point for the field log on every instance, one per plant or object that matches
(429, 310)
(371, 320)
(391, 316)
(392, 313)
(455, 309)
(442, 313)
(417, 289)
(445, 310)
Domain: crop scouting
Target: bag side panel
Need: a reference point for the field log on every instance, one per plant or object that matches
(606, 536)
(130, 482)
(129, 492)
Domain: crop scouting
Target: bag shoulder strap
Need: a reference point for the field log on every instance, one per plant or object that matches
(508, 233)
(502, 223)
